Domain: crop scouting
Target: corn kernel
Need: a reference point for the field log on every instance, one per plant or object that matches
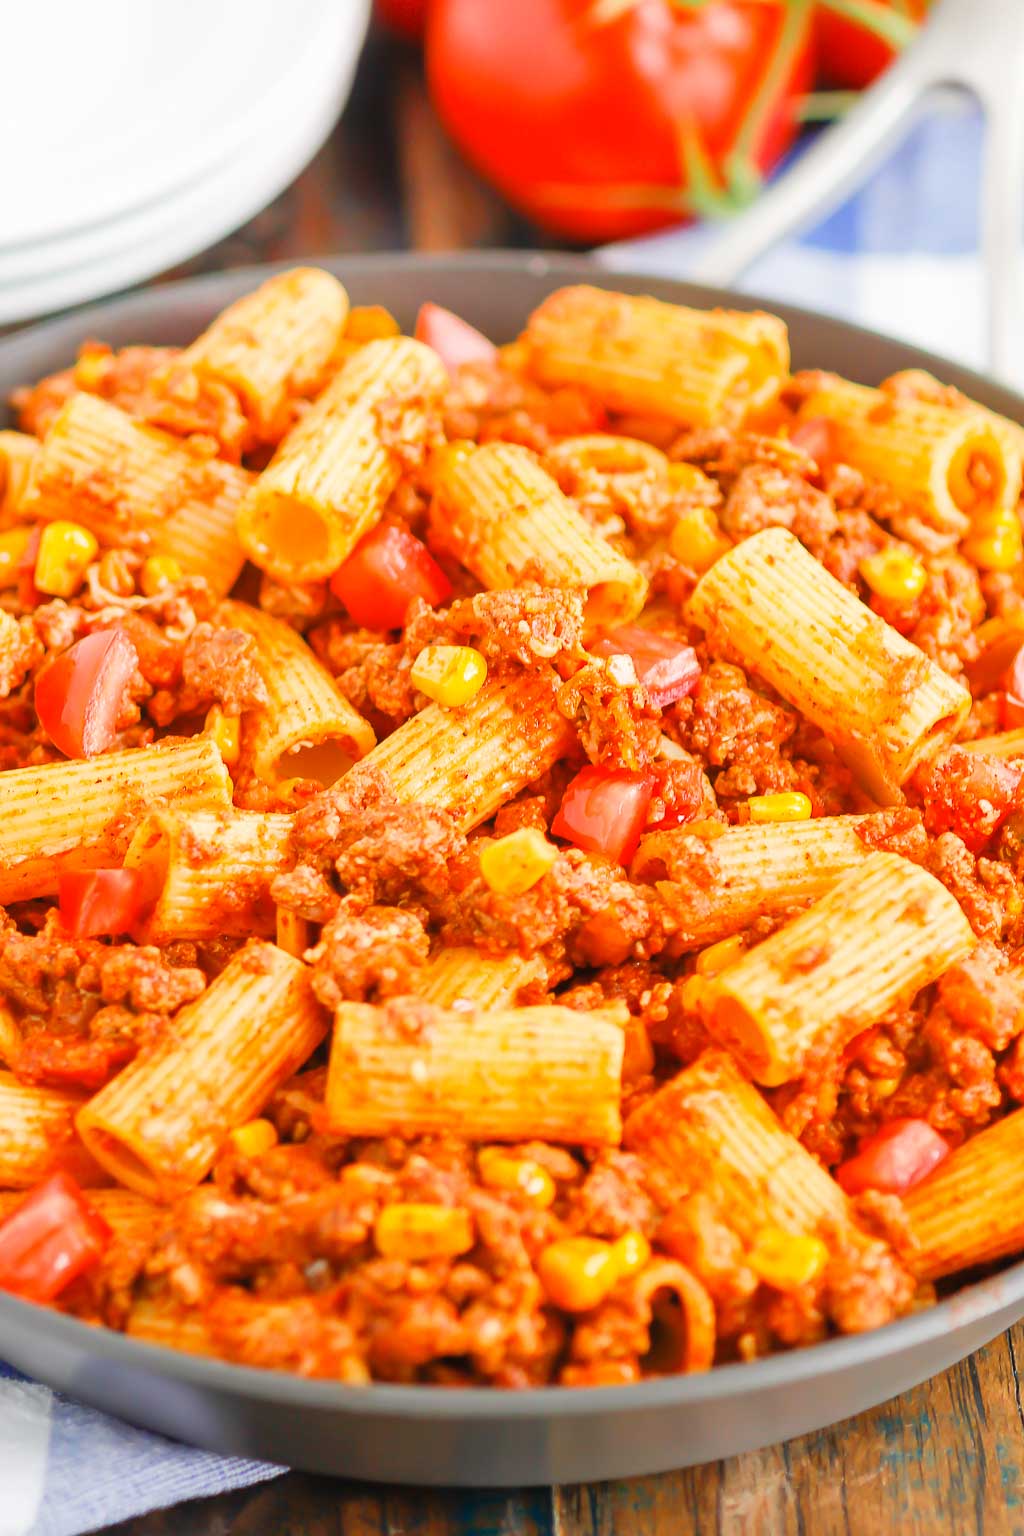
(717, 956)
(689, 479)
(65, 549)
(13, 544)
(999, 548)
(894, 574)
(418, 1232)
(788, 806)
(450, 674)
(515, 863)
(500, 1169)
(254, 1138)
(697, 540)
(693, 991)
(292, 933)
(578, 1272)
(632, 1251)
(786, 1260)
(157, 572)
(226, 731)
(370, 322)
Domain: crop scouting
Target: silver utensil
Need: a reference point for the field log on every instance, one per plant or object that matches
(968, 45)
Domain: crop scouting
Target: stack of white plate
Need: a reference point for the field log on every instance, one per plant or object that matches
(137, 132)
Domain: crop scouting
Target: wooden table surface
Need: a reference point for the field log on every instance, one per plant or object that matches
(947, 1457)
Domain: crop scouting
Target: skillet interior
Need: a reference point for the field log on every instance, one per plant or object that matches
(478, 1436)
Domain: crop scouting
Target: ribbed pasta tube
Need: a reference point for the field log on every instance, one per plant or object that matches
(17, 453)
(273, 346)
(129, 482)
(949, 465)
(697, 367)
(37, 1135)
(327, 484)
(510, 1074)
(1005, 744)
(883, 702)
(971, 1209)
(158, 1318)
(708, 1129)
(464, 977)
(208, 873)
(158, 1126)
(308, 729)
(81, 815)
(714, 886)
(471, 760)
(885, 930)
(508, 521)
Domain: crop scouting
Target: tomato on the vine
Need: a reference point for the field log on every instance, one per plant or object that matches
(605, 118)
(856, 39)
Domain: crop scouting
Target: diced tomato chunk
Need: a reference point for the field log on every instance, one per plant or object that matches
(97, 902)
(668, 668)
(54, 1236)
(603, 810)
(454, 340)
(385, 571)
(971, 794)
(80, 694)
(894, 1159)
(68, 1061)
(817, 436)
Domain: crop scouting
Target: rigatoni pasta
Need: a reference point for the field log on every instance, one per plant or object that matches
(500, 1075)
(158, 1126)
(884, 703)
(328, 482)
(505, 518)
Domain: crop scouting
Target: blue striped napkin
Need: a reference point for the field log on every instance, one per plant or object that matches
(901, 257)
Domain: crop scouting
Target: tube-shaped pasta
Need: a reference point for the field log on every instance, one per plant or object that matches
(37, 1136)
(158, 1318)
(17, 453)
(508, 1074)
(308, 729)
(708, 1129)
(208, 873)
(464, 977)
(883, 702)
(971, 1209)
(948, 464)
(81, 815)
(697, 367)
(717, 885)
(471, 760)
(273, 346)
(131, 483)
(1005, 744)
(885, 930)
(159, 1124)
(508, 521)
(327, 484)
(682, 1326)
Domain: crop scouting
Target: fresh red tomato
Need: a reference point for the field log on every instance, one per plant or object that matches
(405, 17)
(856, 39)
(97, 902)
(817, 436)
(454, 340)
(385, 571)
(601, 120)
(969, 793)
(80, 693)
(668, 668)
(1011, 705)
(603, 810)
(51, 1239)
(894, 1159)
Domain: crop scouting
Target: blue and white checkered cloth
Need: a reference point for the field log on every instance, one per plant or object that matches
(900, 258)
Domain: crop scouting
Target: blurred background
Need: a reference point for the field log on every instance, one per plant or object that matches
(438, 124)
